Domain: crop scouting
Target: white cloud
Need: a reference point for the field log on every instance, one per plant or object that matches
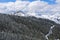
(37, 5)
(12, 6)
(27, 0)
(58, 1)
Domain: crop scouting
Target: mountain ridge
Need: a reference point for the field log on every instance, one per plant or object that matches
(15, 27)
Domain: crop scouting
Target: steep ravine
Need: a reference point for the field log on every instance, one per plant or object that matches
(50, 32)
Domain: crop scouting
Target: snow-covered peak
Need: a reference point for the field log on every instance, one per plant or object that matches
(54, 17)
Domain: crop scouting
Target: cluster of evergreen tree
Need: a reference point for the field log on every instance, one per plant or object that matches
(26, 28)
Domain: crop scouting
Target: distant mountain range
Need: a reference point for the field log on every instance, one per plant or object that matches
(13, 27)
(53, 17)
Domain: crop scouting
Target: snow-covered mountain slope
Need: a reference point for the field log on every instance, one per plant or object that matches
(54, 17)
